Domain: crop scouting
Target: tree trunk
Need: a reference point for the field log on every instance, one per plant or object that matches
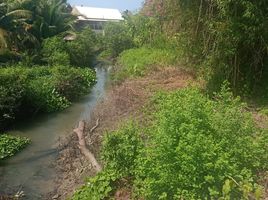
(83, 147)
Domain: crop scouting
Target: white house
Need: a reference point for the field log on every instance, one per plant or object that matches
(96, 17)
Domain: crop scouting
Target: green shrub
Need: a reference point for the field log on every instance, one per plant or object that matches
(43, 96)
(196, 148)
(82, 49)
(73, 82)
(12, 90)
(117, 38)
(121, 148)
(98, 187)
(54, 51)
(53, 88)
(9, 145)
(43, 89)
(136, 62)
(79, 52)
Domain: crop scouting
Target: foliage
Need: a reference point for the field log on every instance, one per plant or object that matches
(51, 18)
(226, 39)
(137, 62)
(12, 23)
(43, 89)
(202, 145)
(196, 148)
(144, 30)
(79, 52)
(120, 150)
(9, 145)
(117, 38)
(24, 24)
(54, 51)
(82, 49)
(96, 188)
(12, 90)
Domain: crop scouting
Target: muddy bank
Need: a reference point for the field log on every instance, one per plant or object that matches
(121, 102)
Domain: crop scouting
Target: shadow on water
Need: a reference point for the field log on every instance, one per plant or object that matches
(32, 169)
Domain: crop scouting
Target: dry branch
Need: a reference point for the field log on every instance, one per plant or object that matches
(83, 147)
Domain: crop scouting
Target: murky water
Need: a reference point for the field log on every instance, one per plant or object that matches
(32, 169)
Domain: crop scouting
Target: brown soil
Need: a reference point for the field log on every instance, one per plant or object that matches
(122, 102)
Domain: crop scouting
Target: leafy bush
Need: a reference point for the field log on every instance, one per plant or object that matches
(82, 49)
(196, 148)
(136, 62)
(73, 82)
(12, 90)
(79, 52)
(117, 38)
(43, 96)
(120, 150)
(9, 145)
(54, 51)
(98, 187)
(44, 89)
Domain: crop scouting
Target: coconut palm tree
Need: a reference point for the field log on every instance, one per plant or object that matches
(52, 17)
(13, 23)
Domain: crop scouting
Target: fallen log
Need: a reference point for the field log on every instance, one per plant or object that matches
(83, 146)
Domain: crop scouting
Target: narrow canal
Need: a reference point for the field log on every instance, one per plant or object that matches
(32, 170)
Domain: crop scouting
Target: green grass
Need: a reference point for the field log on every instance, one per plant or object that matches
(137, 62)
(10, 145)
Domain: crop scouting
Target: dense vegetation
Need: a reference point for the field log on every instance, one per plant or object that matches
(222, 40)
(197, 145)
(196, 148)
(27, 90)
(39, 70)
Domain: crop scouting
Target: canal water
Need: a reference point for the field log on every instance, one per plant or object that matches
(32, 170)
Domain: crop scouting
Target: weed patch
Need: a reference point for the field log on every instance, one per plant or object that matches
(137, 62)
(196, 148)
(10, 145)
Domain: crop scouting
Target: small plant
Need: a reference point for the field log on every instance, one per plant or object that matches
(10, 145)
(98, 187)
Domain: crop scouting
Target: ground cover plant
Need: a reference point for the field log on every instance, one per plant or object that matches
(10, 145)
(195, 148)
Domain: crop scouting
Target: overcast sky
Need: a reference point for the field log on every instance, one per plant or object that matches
(122, 5)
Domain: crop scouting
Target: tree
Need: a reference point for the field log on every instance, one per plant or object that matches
(51, 17)
(13, 24)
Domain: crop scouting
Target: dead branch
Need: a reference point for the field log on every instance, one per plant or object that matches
(83, 147)
(94, 127)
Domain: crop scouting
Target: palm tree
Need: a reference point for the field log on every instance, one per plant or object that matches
(13, 23)
(52, 17)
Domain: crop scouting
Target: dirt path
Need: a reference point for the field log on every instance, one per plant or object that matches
(122, 102)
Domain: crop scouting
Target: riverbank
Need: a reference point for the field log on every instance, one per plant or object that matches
(33, 169)
(122, 102)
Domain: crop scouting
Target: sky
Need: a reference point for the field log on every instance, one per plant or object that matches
(122, 5)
